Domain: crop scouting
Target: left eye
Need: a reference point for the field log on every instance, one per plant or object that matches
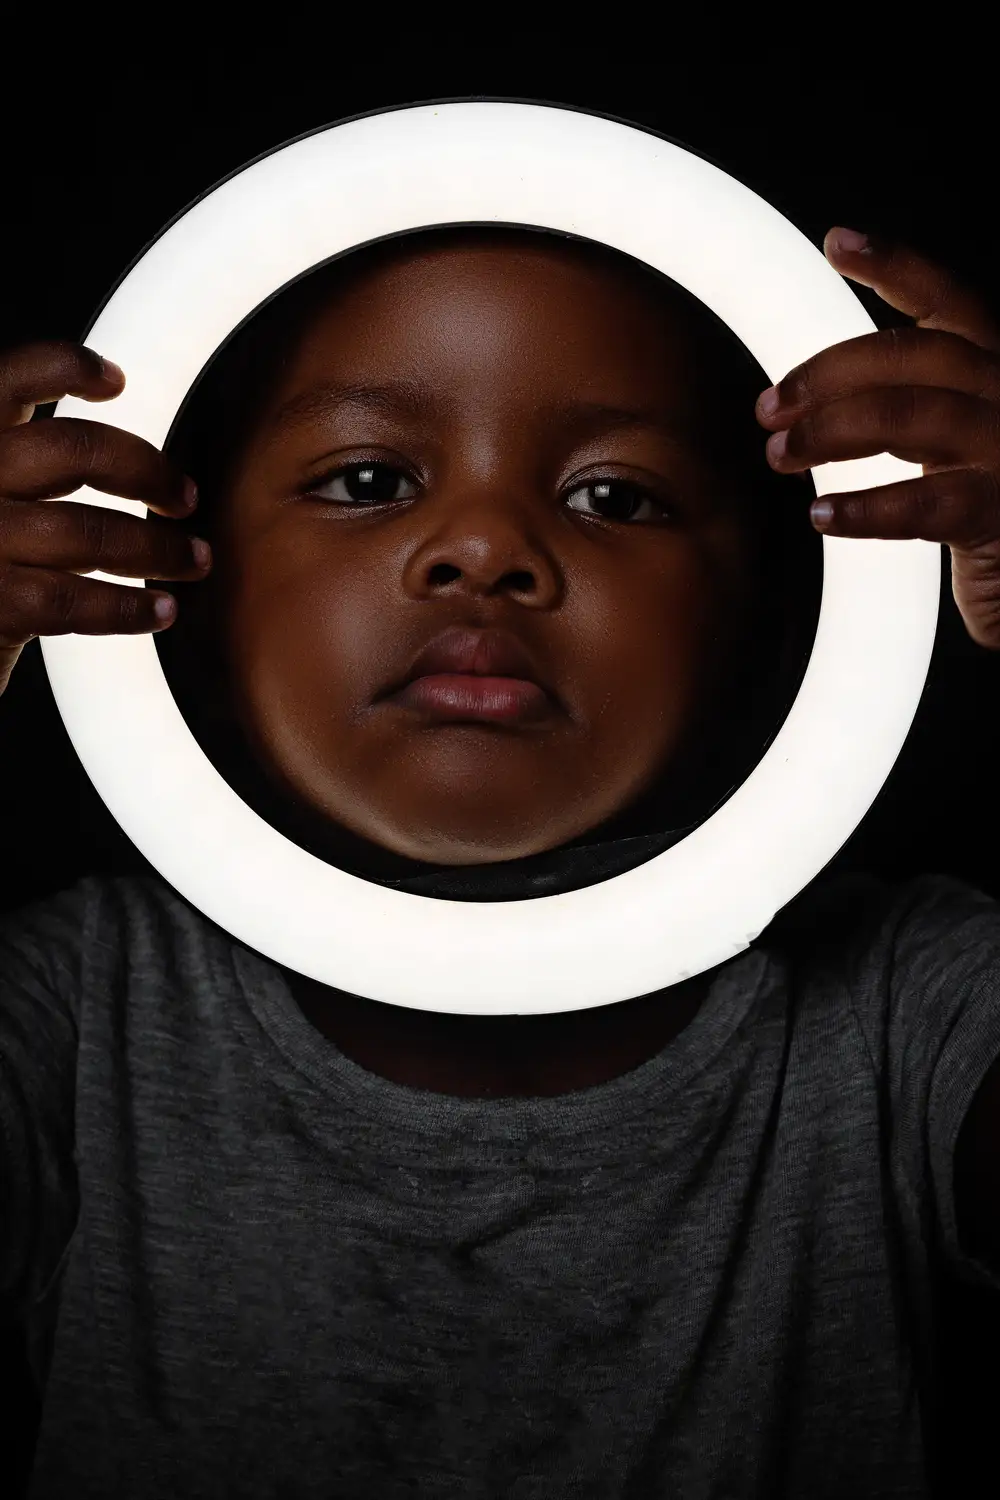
(616, 500)
(365, 484)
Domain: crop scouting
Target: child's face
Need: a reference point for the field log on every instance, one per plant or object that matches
(497, 385)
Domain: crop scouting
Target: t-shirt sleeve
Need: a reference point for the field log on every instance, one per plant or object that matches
(943, 1034)
(42, 957)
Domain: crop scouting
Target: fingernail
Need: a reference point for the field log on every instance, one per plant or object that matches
(202, 552)
(111, 371)
(821, 512)
(777, 443)
(165, 608)
(767, 401)
(852, 240)
(190, 494)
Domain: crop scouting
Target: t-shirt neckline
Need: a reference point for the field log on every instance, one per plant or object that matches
(734, 988)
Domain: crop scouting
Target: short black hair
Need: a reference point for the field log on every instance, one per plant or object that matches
(223, 407)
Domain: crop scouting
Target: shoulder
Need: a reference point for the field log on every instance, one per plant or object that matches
(848, 919)
(98, 920)
(917, 962)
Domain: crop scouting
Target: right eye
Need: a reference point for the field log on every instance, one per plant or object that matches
(365, 484)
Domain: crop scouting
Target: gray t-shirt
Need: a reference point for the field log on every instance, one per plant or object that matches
(251, 1268)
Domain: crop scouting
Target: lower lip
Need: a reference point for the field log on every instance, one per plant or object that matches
(462, 696)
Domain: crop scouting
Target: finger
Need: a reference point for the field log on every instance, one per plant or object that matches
(960, 509)
(47, 370)
(916, 423)
(916, 286)
(893, 356)
(975, 584)
(90, 539)
(43, 601)
(47, 459)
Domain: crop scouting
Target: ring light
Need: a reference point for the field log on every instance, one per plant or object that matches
(684, 911)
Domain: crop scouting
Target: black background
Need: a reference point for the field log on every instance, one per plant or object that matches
(98, 156)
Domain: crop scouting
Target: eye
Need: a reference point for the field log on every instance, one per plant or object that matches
(616, 500)
(365, 484)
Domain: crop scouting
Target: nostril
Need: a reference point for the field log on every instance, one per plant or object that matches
(444, 573)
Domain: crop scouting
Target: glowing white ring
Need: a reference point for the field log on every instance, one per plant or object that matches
(684, 911)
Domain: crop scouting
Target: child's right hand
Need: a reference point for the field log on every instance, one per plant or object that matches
(46, 545)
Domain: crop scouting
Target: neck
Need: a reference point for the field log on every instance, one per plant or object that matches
(499, 1056)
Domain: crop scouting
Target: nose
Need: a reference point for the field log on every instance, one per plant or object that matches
(485, 549)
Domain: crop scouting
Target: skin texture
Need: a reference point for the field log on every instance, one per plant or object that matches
(508, 378)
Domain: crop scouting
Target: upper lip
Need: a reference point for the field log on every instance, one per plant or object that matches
(481, 653)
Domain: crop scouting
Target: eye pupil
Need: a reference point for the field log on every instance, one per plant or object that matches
(371, 482)
(618, 501)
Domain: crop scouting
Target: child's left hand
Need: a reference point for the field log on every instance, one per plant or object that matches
(928, 394)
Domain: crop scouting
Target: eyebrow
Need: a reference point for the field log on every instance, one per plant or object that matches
(409, 399)
(402, 398)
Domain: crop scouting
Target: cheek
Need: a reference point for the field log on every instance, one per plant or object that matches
(303, 641)
(648, 667)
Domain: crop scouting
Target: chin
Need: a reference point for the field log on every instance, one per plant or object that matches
(465, 847)
(456, 826)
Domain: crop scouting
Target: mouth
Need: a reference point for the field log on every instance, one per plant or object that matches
(456, 697)
(474, 676)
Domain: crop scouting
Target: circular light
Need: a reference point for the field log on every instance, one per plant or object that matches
(685, 910)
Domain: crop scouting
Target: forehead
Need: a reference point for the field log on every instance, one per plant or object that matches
(354, 322)
(574, 276)
(554, 336)
(511, 302)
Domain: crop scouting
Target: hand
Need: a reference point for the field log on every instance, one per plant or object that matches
(928, 394)
(46, 545)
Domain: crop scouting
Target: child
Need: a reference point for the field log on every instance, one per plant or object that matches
(269, 1238)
